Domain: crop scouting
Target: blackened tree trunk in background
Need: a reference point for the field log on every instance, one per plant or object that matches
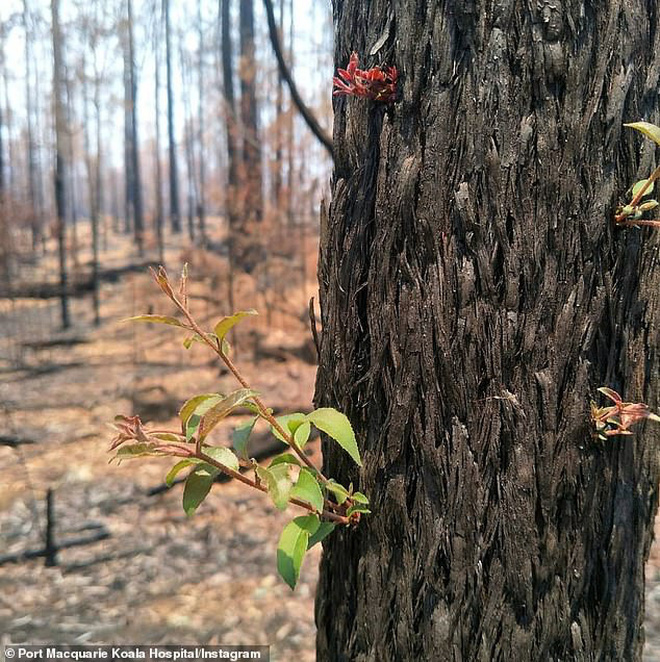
(128, 135)
(2, 121)
(475, 293)
(60, 168)
(175, 213)
(201, 198)
(136, 185)
(158, 183)
(231, 197)
(251, 251)
(35, 218)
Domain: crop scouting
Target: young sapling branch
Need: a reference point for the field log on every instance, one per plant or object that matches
(327, 502)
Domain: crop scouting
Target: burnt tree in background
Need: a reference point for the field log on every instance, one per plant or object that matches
(475, 293)
(60, 164)
(250, 251)
(175, 213)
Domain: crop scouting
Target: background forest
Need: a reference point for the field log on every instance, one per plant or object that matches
(133, 133)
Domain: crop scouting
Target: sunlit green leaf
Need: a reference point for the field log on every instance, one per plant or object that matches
(649, 130)
(241, 436)
(301, 434)
(226, 323)
(278, 482)
(285, 458)
(191, 405)
(307, 489)
(289, 422)
(178, 467)
(640, 185)
(324, 530)
(338, 490)
(358, 508)
(336, 425)
(156, 319)
(194, 409)
(166, 436)
(358, 497)
(648, 205)
(222, 409)
(196, 338)
(293, 545)
(140, 449)
(223, 455)
(198, 484)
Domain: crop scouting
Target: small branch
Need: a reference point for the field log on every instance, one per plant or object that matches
(621, 218)
(326, 514)
(263, 410)
(307, 114)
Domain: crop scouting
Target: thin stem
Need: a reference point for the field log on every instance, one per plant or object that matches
(326, 514)
(620, 218)
(263, 410)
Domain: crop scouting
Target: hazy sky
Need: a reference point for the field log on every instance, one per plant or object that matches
(312, 55)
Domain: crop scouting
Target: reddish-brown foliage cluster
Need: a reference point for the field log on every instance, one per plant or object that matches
(378, 83)
(617, 419)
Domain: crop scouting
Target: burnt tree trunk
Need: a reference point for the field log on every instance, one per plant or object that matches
(175, 213)
(475, 294)
(249, 250)
(60, 162)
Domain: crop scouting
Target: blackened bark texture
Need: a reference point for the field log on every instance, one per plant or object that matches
(136, 186)
(249, 249)
(175, 213)
(475, 293)
(60, 162)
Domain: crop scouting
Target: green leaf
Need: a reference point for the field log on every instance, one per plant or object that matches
(307, 489)
(358, 508)
(289, 422)
(226, 323)
(639, 185)
(157, 319)
(293, 545)
(166, 436)
(198, 484)
(338, 490)
(358, 497)
(648, 205)
(191, 405)
(336, 425)
(241, 435)
(222, 409)
(649, 130)
(178, 467)
(140, 449)
(285, 458)
(301, 434)
(223, 455)
(324, 530)
(191, 340)
(278, 481)
(194, 409)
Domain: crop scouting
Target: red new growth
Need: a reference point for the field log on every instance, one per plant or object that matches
(614, 420)
(378, 83)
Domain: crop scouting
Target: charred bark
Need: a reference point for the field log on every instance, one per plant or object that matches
(249, 250)
(175, 213)
(475, 293)
(60, 165)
